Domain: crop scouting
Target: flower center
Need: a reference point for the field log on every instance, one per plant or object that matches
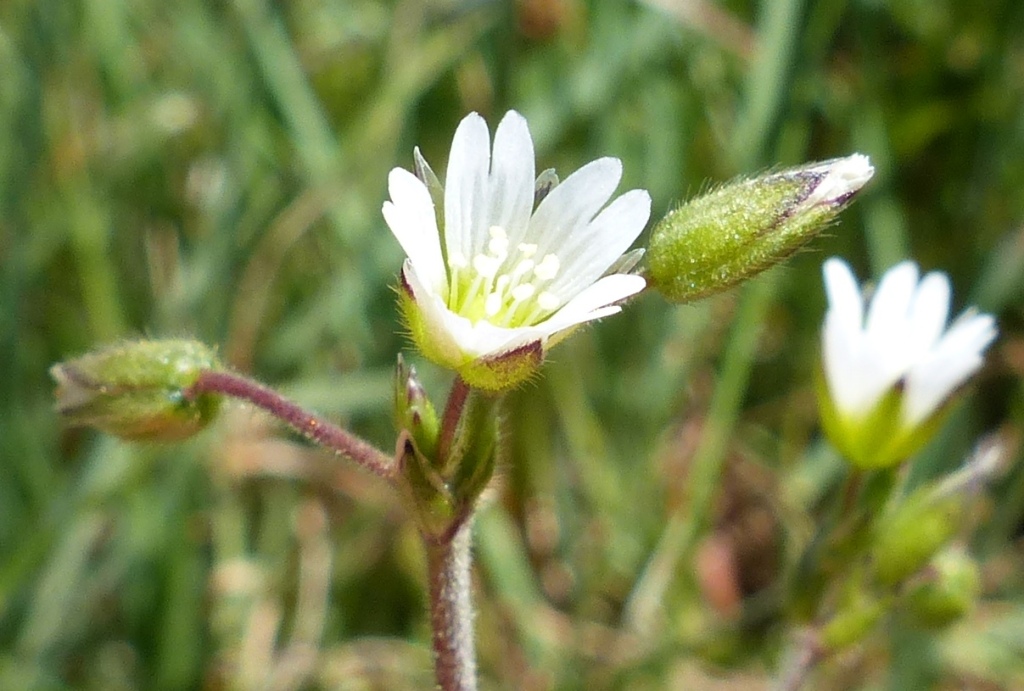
(504, 289)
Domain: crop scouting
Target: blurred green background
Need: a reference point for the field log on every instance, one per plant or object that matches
(215, 169)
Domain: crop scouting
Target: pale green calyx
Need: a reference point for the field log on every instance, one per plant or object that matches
(138, 390)
(501, 263)
(713, 242)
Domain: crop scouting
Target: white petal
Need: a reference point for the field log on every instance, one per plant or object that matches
(844, 298)
(928, 313)
(853, 380)
(856, 373)
(432, 307)
(955, 358)
(890, 305)
(512, 177)
(596, 298)
(569, 208)
(410, 215)
(466, 187)
(585, 258)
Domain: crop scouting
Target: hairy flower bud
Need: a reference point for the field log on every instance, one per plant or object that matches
(713, 242)
(414, 412)
(136, 390)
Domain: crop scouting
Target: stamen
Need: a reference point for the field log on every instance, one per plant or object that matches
(522, 268)
(492, 305)
(548, 267)
(523, 292)
(486, 266)
(527, 249)
(548, 301)
(498, 244)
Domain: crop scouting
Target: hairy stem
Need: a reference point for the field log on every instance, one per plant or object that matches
(306, 423)
(451, 614)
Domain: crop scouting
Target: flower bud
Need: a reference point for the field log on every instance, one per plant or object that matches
(713, 242)
(908, 537)
(950, 590)
(852, 622)
(136, 390)
(413, 410)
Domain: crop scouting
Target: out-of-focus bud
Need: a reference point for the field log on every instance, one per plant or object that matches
(136, 390)
(413, 410)
(909, 536)
(853, 620)
(742, 228)
(950, 590)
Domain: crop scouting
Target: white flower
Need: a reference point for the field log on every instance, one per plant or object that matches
(502, 278)
(901, 345)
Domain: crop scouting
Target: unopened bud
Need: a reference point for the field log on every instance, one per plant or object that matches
(852, 622)
(137, 390)
(742, 228)
(413, 410)
(949, 591)
(911, 534)
(908, 537)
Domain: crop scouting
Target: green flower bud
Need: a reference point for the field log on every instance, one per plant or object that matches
(713, 242)
(441, 481)
(413, 410)
(950, 590)
(136, 390)
(908, 537)
(852, 622)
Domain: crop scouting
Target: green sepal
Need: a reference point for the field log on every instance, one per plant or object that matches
(474, 450)
(877, 439)
(424, 491)
(137, 390)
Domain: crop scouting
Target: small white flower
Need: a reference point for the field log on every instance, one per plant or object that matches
(502, 277)
(902, 342)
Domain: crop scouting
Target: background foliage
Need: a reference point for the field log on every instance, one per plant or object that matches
(216, 169)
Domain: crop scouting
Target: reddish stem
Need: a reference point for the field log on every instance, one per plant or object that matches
(306, 423)
(452, 416)
(451, 613)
